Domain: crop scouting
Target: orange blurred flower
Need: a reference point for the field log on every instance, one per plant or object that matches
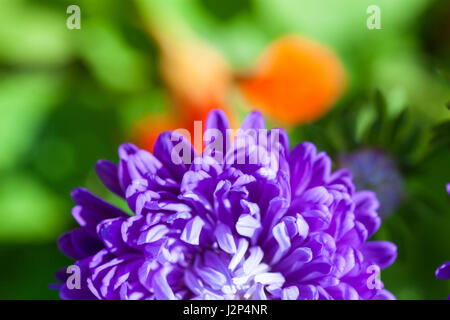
(295, 81)
(197, 76)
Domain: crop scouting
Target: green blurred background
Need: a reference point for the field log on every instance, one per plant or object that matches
(70, 97)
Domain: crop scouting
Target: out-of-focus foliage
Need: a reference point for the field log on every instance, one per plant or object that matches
(70, 97)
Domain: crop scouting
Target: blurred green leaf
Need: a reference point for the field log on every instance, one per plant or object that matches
(25, 100)
(28, 211)
(112, 60)
(33, 35)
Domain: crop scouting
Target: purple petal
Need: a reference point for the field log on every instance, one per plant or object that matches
(247, 225)
(93, 203)
(78, 244)
(317, 220)
(321, 170)
(165, 149)
(225, 238)
(290, 293)
(301, 166)
(382, 253)
(135, 164)
(110, 233)
(87, 219)
(259, 293)
(270, 278)
(241, 250)
(316, 195)
(295, 260)
(313, 270)
(302, 227)
(107, 171)
(191, 232)
(217, 120)
(66, 246)
(193, 282)
(282, 136)
(443, 272)
(277, 208)
(254, 120)
(153, 234)
(84, 243)
(256, 255)
(345, 260)
(343, 291)
(162, 289)
(280, 233)
(308, 292)
(366, 204)
(212, 277)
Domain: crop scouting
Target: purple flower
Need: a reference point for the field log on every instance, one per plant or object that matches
(373, 169)
(279, 225)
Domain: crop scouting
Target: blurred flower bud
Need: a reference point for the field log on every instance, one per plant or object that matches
(197, 76)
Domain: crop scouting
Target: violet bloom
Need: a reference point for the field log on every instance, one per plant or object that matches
(288, 228)
(373, 169)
